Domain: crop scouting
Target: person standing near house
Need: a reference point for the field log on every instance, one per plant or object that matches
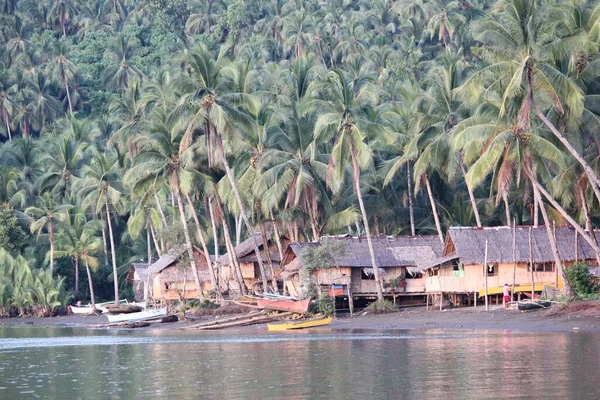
(506, 296)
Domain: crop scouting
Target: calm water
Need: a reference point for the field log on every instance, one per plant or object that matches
(66, 363)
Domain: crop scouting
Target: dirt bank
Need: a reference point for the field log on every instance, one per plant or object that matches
(585, 316)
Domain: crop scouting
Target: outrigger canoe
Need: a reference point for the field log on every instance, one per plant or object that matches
(533, 305)
(299, 307)
(137, 316)
(309, 323)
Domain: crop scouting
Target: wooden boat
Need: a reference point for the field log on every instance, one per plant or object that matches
(137, 316)
(308, 323)
(299, 307)
(533, 305)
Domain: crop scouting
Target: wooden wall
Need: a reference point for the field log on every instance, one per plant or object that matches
(473, 279)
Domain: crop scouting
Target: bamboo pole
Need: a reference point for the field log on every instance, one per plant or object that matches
(514, 244)
(531, 262)
(485, 267)
(576, 246)
(557, 251)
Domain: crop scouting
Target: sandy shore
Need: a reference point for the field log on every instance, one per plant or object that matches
(575, 316)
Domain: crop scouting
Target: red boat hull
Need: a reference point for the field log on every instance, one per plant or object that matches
(284, 305)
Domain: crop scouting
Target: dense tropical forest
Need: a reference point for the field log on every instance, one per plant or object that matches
(130, 126)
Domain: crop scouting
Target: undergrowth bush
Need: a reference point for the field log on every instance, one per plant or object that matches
(582, 282)
(382, 307)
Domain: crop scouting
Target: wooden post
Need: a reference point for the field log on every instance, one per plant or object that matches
(427, 297)
(556, 245)
(485, 267)
(474, 299)
(441, 299)
(350, 300)
(512, 292)
(576, 246)
(531, 262)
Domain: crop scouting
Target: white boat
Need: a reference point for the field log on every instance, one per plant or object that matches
(87, 309)
(137, 316)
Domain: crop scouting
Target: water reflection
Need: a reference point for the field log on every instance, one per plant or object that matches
(65, 363)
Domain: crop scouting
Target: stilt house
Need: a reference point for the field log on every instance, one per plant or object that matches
(461, 274)
(172, 277)
(248, 261)
(350, 271)
(137, 278)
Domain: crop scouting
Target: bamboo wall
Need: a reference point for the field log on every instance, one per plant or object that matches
(473, 279)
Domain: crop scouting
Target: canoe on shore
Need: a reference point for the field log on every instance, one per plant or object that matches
(533, 305)
(308, 323)
(299, 307)
(137, 316)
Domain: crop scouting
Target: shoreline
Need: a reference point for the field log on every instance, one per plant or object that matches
(585, 319)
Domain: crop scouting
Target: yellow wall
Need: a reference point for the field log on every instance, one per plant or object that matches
(473, 279)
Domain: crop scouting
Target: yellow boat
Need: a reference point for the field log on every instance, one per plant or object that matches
(308, 323)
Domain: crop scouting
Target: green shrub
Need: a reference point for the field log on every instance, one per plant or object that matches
(581, 281)
(382, 307)
(326, 305)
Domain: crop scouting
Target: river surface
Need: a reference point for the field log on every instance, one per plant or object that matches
(68, 363)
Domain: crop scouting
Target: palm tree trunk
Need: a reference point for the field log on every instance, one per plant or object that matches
(76, 274)
(277, 237)
(233, 261)
(69, 98)
(213, 223)
(156, 246)
(411, 209)
(231, 254)
(238, 230)
(149, 245)
(436, 217)
(213, 279)
(112, 250)
(586, 211)
(471, 196)
(89, 275)
(267, 253)
(188, 241)
(506, 207)
(566, 215)
(236, 192)
(356, 176)
(592, 177)
(105, 245)
(160, 210)
(6, 121)
(552, 240)
(51, 238)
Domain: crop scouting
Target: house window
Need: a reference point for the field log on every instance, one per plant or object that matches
(492, 269)
(541, 267)
(416, 275)
(366, 277)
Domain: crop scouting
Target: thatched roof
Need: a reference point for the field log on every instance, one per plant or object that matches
(170, 259)
(141, 269)
(390, 251)
(469, 244)
(245, 250)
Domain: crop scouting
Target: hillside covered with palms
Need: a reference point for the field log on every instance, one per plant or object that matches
(131, 126)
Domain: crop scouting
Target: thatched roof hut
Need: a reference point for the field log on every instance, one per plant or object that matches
(469, 245)
(246, 254)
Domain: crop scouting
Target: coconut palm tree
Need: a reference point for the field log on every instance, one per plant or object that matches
(45, 216)
(101, 191)
(342, 104)
(62, 69)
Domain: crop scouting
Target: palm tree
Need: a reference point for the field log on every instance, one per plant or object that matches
(63, 10)
(118, 75)
(62, 69)
(343, 105)
(219, 104)
(160, 160)
(46, 215)
(101, 191)
(518, 43)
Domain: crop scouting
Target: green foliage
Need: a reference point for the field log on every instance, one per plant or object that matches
(12, 237)
(326, 305)
(582, 282)
(382, 307)
(322, 256)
